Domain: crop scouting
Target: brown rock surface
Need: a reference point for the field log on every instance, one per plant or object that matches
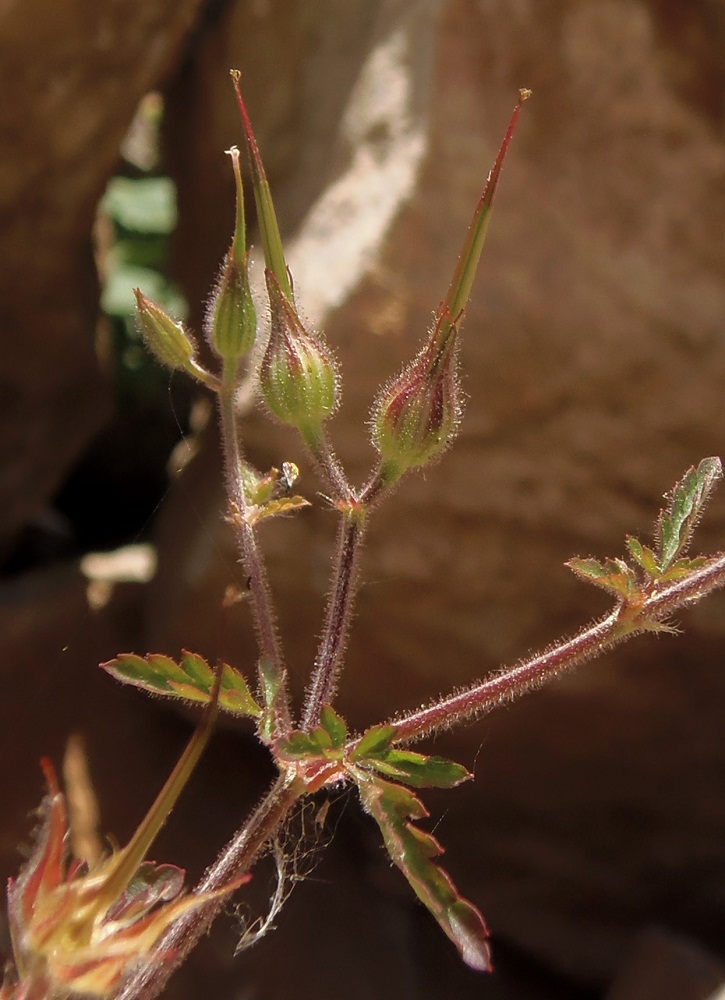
(71, 76)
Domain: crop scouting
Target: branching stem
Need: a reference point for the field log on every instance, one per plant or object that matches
(328, 463)
(623, 622)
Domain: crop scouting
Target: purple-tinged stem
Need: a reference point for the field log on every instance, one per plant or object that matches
(265, 618)
(338, 615)
(328, 463)
(235, 860)
(623, 622)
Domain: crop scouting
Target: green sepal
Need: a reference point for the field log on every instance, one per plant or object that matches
(395, 808)
(613, 575)
(192, 679)
(417, 769)
(687, 500)
(374, 741)
(644, 555)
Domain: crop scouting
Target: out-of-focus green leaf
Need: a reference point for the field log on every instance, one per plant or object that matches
(145, 205)
(686, 504)
(117, 298)
(192, 679)
(395, 808)
(417, 769)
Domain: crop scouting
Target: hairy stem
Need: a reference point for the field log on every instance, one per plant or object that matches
(338, 615)
(623, 622)
(264, 615)
(328, 463)
(235, 860)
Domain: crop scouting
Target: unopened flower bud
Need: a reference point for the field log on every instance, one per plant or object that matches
(232, 318)
(167, 340)
(416, 415)
(297, 377)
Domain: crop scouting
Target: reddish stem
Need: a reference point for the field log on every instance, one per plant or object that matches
(592, 640)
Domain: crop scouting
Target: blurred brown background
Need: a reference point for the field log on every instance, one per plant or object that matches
(594, 835)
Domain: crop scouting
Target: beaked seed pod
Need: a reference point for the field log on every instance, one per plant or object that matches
(297, 377)
(416, 415)
(232, 318)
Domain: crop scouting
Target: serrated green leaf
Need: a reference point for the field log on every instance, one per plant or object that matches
(373, 742)
(394, 808)
(335, 726)
(192, 679)
(613, 575)
(687, 501)
(644, 556)
(195, 667)
(418, 770)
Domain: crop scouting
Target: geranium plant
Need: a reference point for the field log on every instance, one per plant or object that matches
(120, 926)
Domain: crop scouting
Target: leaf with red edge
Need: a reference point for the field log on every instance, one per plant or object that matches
(46, 869)
(192, 679)
(687, 500)
(395, 808)
(644, 555)
(612, 575)
(417, 769)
